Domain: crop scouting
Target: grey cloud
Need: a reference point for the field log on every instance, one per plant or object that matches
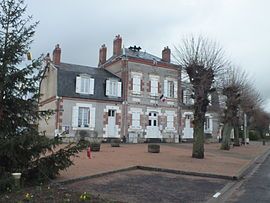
(81, 27)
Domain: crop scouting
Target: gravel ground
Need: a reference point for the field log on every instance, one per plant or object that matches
(172, 156)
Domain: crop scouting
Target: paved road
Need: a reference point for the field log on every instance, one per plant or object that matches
(255, 188)
(140, 186)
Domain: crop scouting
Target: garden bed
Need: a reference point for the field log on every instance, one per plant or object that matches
(49, 193)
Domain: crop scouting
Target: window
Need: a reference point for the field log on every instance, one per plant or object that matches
(210, 99)
(84, 84)
(111, 113)
(170, 121)
(187, 97)
(136, 119)
(113, 88)
(154, 87)
(170, 89)
(83, 119)
(208, 124)
(152, 121)
(136, 84)
(83, 116)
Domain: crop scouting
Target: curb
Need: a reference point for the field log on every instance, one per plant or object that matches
(190, 173)
(146, 168)
(228, 189)
(248, 167)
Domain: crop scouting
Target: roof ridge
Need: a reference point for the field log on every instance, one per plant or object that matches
(73, 64)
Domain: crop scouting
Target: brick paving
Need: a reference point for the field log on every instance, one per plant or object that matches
(172, 156)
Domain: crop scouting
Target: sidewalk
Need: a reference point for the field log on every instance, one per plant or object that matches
(172, 156)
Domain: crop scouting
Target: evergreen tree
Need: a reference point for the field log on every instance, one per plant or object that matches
(22, 148)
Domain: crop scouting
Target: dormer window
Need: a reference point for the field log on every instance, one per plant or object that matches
(113, 88)
(84, 84)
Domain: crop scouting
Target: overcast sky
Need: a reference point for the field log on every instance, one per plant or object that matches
(81, 26)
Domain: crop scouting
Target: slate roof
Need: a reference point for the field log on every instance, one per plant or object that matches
(66, 81)
(136, 54)
(140, 54)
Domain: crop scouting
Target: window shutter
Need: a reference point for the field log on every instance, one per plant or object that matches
(78, 84)
(119, 90)
(175, 89)
(108, 84)
(165, 88)
(75, 116)
(92, 118)
(92, 86)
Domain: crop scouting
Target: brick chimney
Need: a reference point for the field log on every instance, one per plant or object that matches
(117, 45)
(102, 54)
(57, 55)
(166, 55)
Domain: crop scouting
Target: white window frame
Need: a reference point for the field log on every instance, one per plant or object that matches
(84, 115)
(136, 120)
(170, 88)
(187, 97)
(85, 84)
(91, 116)
(154, 87)
(170, 120)
(113, 88)
(136, 85)
(208, 124)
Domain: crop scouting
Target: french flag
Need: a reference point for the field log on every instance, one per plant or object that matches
(162, 98)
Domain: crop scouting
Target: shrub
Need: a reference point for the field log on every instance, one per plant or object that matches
(253, 135)
(6, 181)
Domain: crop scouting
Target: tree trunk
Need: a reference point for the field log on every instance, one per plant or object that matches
(236, 136)
(198, 142)
(226, 133)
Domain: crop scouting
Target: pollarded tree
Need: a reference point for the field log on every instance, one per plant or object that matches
(251, 105)
(22, 148)
(233, 82)
(201, 59)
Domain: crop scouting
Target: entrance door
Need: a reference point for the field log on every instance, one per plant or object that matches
(152, 128)
(188, 130)
(112, 123)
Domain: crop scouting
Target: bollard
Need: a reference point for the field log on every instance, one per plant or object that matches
(89, 152)
(17, 178)
(263, 142)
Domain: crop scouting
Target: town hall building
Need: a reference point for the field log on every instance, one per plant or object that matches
(132, 94)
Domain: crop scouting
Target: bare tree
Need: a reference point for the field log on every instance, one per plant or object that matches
(202, 59)
(251, 105)
(234, 81)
